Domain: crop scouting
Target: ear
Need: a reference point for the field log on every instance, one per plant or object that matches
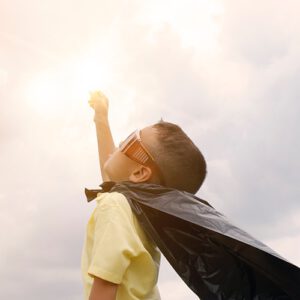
(140, 174)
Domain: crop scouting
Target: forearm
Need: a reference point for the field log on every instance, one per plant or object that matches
(102, 295)
(103, 290)
(105, 141)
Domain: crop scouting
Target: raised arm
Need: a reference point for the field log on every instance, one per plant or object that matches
(99, 102)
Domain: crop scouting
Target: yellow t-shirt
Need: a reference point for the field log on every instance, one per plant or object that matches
(116, 249)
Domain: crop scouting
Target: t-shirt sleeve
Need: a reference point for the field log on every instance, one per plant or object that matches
(115, 239)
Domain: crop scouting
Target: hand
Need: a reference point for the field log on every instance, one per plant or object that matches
(99, 102)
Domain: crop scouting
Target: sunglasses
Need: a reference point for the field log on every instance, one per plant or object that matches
(134, 148)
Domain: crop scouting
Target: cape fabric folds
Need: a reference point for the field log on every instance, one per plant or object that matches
(216, 259)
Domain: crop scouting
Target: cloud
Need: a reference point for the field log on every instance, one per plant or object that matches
(233, 88)
(260, 34)
(3, 77)
(288, 247)
(171, 286)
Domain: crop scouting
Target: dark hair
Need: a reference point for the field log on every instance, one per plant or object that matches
(181, 162)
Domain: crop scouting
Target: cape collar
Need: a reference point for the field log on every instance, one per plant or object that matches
(106, 186)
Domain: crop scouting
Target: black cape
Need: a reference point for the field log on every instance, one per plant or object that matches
(216, 259)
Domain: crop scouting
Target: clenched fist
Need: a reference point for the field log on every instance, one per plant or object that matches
(99, 102)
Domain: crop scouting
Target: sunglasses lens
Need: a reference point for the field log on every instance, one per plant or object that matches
(128, 141)
(134, 149)
(137, 153)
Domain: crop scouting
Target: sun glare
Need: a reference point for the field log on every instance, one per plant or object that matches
(53, 91)
(63, 92)
(43, 94)
(3, 78)
(90, 74)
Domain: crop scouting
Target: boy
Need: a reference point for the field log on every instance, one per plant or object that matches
(119, 262)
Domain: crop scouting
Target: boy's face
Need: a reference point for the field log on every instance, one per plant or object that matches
(119, 167)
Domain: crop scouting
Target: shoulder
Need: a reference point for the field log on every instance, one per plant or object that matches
(111, 199)
(112, 202)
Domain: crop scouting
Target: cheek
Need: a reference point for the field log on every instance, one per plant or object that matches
(111, 161)
(117, 165)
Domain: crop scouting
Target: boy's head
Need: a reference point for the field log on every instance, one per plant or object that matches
(161, 154)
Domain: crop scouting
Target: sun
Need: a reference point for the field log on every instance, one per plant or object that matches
(54, 90)
(91, 73)
(62, 93)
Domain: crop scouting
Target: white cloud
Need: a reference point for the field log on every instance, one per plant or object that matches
(175, 290)
(227, 71)
(288, 247)
(171, 286)
(3, 77)
(194, 21)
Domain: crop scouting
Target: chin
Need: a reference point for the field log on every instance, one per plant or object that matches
(110, 175)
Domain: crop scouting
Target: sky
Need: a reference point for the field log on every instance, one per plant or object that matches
(227, 72)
